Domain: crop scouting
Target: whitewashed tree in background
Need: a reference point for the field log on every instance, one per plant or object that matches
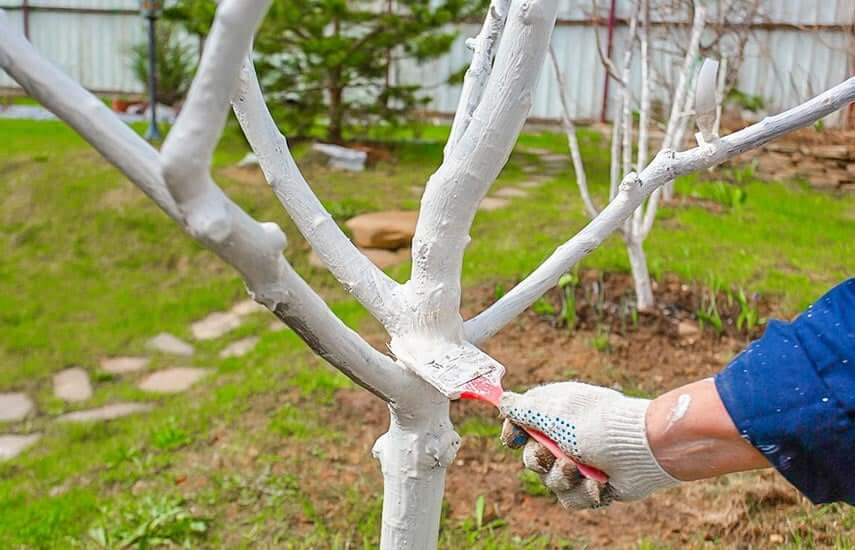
(636, 229)
(421, 316)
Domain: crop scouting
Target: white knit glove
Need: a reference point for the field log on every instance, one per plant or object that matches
(596, 426)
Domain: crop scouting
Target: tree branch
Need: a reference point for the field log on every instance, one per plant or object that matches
(666, 166)
(475, 80)
(572, 140)
(254, 249)
(85, 113)
(644, 108)
(373, 288)
(680, 94)
(454, 191)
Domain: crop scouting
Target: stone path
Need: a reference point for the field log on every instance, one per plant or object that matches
(172, 380)
(488, 204)
(107, 412)
(215, 325)
(511, 193)
(124, 365)
(15, 407)
(12, 445)
(167, 343)
(551, 165)
(74, 385)
(240, 347)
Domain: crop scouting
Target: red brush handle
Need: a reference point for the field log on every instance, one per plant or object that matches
(587, 471)
(492, 394)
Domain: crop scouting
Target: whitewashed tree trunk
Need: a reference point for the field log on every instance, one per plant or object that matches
(640, 275)
(414, 456)
(421, 316)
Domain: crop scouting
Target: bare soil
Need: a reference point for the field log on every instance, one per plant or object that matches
(754, 510)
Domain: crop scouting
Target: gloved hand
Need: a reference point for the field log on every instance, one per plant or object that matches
(596, 426)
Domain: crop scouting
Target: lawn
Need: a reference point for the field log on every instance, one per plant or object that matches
(92, 269)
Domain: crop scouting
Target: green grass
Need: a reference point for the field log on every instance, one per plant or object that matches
(92, 269)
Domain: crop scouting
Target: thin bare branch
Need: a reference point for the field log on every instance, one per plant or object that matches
(253, 248)
(453, 192)
(484, 50)
(373, 288)
(572, 140)
(666, 166)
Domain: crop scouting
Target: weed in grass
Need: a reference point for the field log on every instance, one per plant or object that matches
(498, 291)
(148, 522)
(568, 283)
(289, 421)
(478, 525)
(320, 383)
(723, 193)
(543, 307)
(344, 209)
(600, 340)
(749, 316)
(708, 313)
(169, 436)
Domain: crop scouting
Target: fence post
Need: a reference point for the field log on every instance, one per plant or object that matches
(25, 15)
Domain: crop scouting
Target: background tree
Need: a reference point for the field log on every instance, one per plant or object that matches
(330, 62)
(176, 63)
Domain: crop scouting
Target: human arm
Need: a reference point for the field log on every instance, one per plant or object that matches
(788, 399)
(642, 445)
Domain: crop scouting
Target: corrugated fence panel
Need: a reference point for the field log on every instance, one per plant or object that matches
(94, 49)
(783, 64)
(129, 5)
(16, 19)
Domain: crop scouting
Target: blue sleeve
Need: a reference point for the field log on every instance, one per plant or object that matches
(792, 395)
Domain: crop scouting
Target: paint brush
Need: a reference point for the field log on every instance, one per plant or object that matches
(466, 372)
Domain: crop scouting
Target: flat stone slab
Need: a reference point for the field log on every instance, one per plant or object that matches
(533, 184)
(72, 385)
(174, 380)
(107, 412)
(15, 407)
(239, 348)
(555, 158)
(247, 307)
(531, 169)
(390, 230)
(124, 365)
(167, 343)
(511, 193)
(539, 151)
(493, 203)
(215, 325)
(13, 445)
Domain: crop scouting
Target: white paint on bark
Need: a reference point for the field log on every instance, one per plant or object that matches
(421, 316)
(666, 166)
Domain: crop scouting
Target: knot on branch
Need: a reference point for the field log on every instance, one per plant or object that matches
(441, 449)
(631, 182)
(531, 12)
(276, 239)
(207, 217)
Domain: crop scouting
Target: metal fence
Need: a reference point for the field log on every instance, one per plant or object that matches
(796, 49)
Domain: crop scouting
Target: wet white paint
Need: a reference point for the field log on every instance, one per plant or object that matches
(679, 410)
